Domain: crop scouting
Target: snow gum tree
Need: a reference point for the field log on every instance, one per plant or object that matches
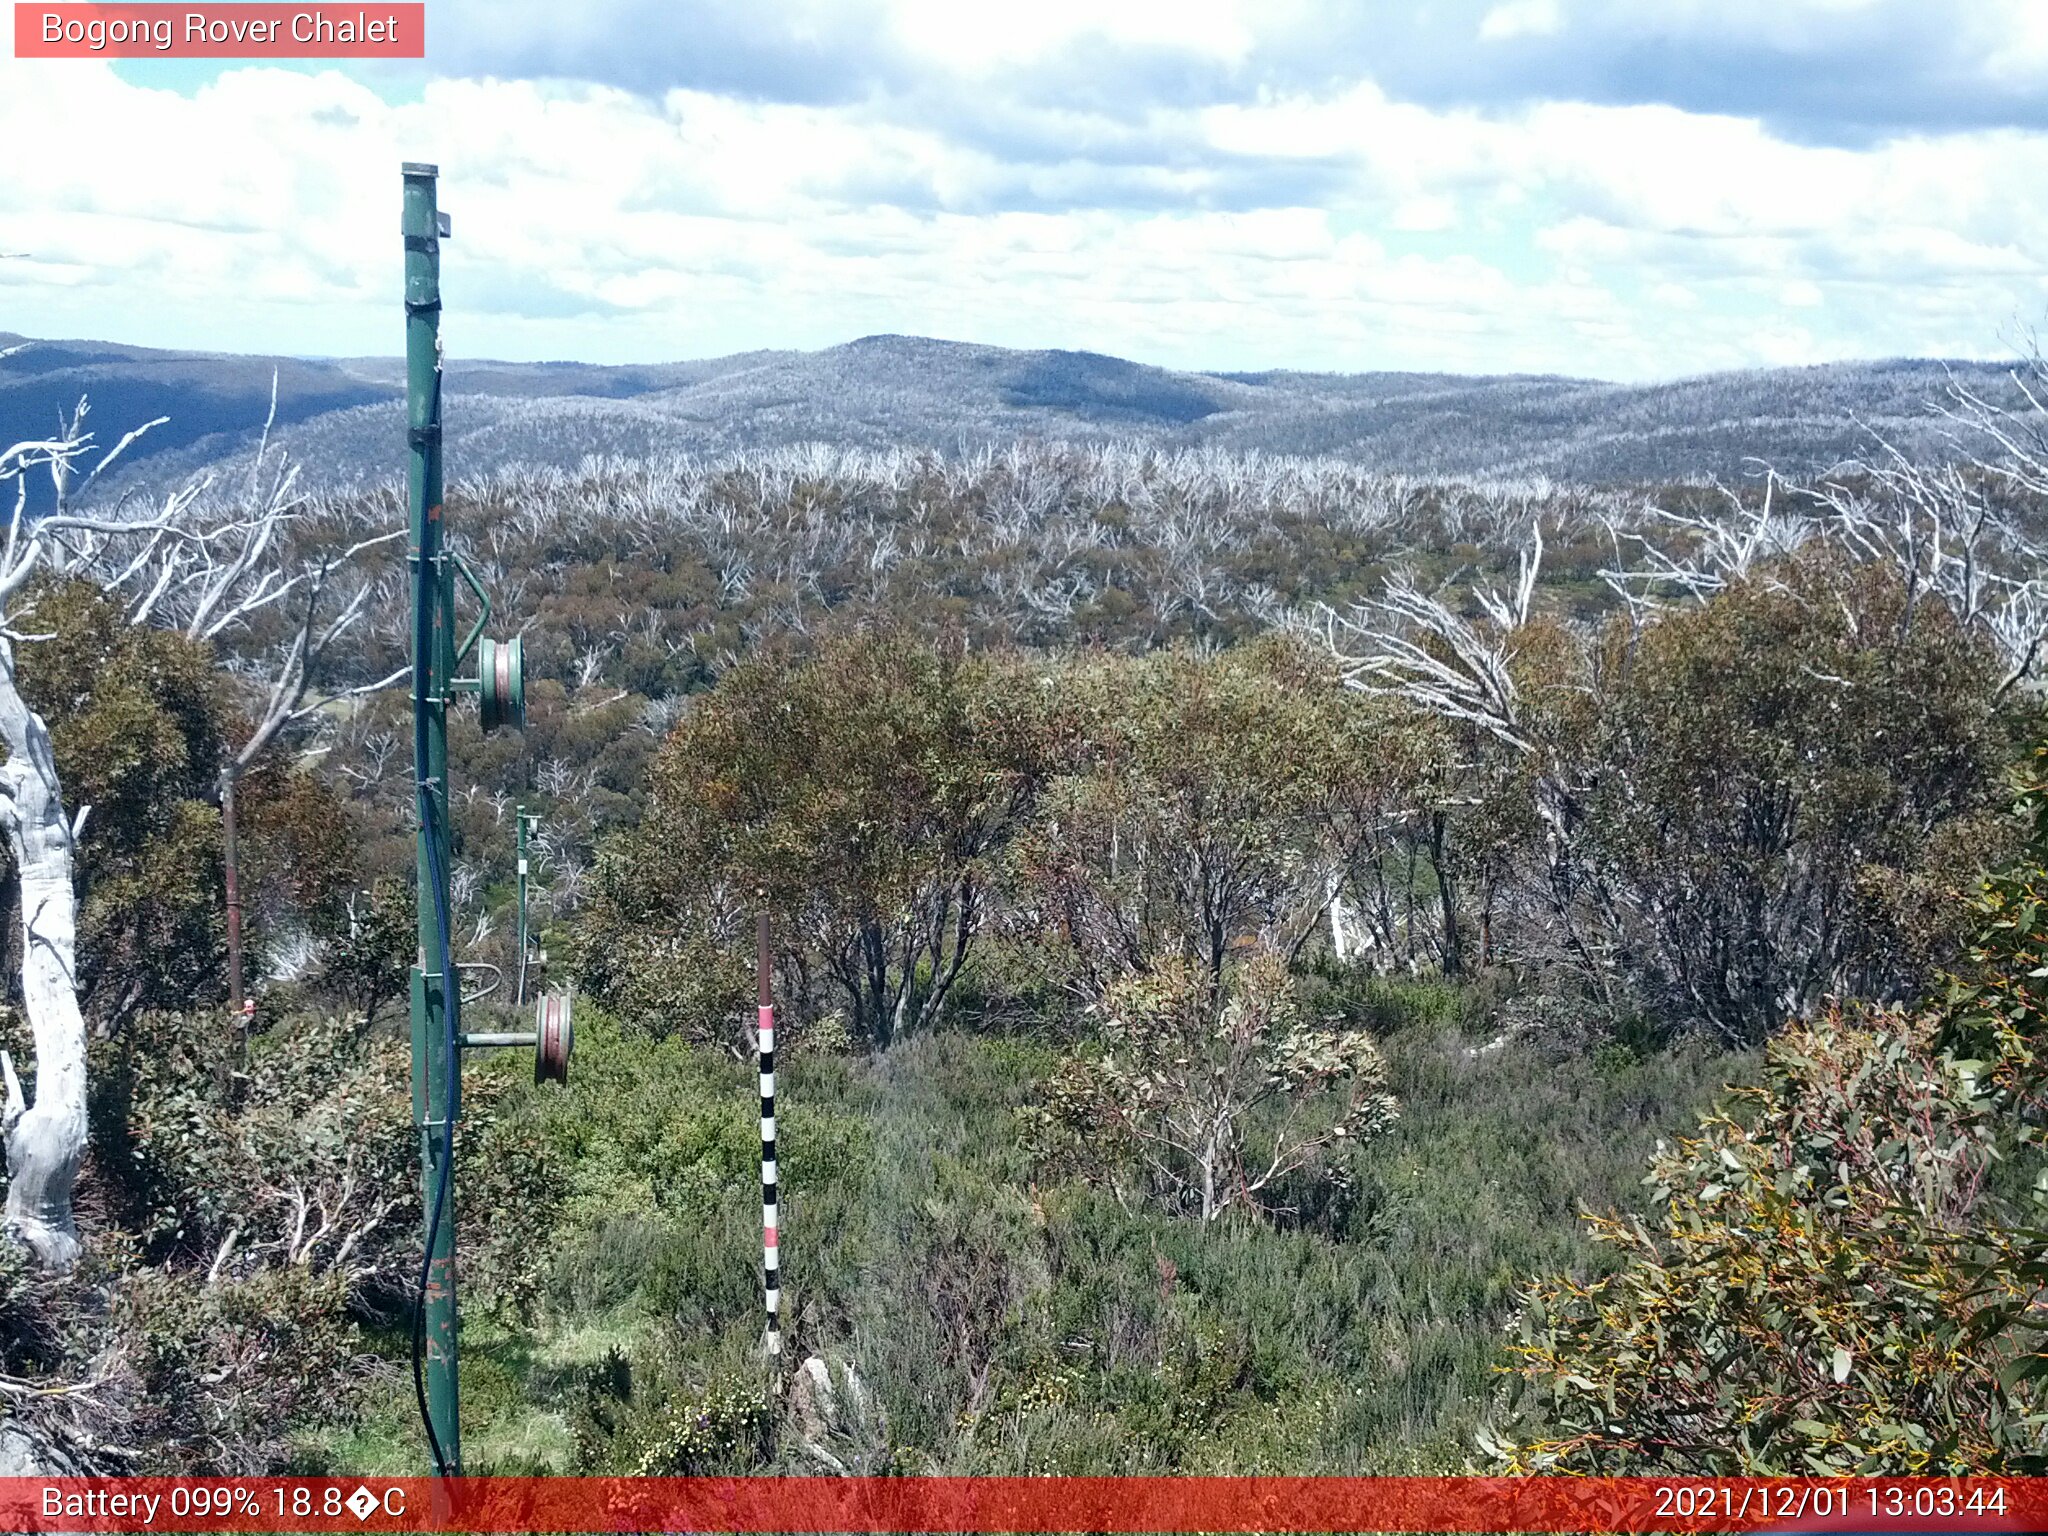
(1219, 1096)
(184, 554)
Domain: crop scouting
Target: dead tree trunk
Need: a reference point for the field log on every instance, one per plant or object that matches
(230, 861)
(46, 1140)
(1446, 893)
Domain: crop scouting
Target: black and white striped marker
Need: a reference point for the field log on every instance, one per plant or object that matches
(770, 1254)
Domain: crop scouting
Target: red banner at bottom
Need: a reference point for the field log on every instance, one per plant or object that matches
(889, 1504)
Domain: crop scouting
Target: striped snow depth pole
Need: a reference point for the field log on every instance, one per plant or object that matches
(770, 1257)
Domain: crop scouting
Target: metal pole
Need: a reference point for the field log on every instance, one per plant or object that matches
(231, 865)
(435, 1078)
(519, 989)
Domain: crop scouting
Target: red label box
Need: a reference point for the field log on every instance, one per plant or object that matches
(367, 29)
(402, 1506)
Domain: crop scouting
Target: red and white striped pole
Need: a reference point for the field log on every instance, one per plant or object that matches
(770, 1256)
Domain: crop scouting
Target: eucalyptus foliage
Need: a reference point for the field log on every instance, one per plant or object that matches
(1837, 1273)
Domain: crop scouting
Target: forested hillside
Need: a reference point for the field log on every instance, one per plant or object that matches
(340, 417)
(1233, 916)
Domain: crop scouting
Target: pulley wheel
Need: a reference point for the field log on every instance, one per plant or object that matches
(553, 1038)
(501, 683)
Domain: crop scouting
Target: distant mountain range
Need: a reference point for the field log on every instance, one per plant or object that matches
(342, 417)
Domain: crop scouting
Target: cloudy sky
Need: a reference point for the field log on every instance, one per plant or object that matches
(1625, 188)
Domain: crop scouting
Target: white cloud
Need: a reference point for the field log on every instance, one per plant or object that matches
(1521, 18)
(1426, 214)
(1336, 229)
(983, 36)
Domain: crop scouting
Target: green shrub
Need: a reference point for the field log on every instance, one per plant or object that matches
(302, 1157)
(1797, 1303)
(1221, 1095)
(226, 1371)
(722, 1431)
(1780, 779)
(371, 941)
(136, 722)
(1833, 1279)
(861, 795)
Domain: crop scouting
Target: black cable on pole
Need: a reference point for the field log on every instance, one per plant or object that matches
(427, 592)
(449, 1004)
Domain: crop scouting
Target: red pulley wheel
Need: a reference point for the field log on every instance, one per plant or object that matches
(554, 1038)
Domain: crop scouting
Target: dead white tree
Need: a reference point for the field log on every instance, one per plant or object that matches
(1958, 530)
(1417, 647)
(1412, 645)
(184, 553)
(1954, 531)
(1698, 555)
(321, 1221)
(45, 1141)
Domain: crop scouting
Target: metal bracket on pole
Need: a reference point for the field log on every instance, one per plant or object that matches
(483, 599)
(497, 977)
